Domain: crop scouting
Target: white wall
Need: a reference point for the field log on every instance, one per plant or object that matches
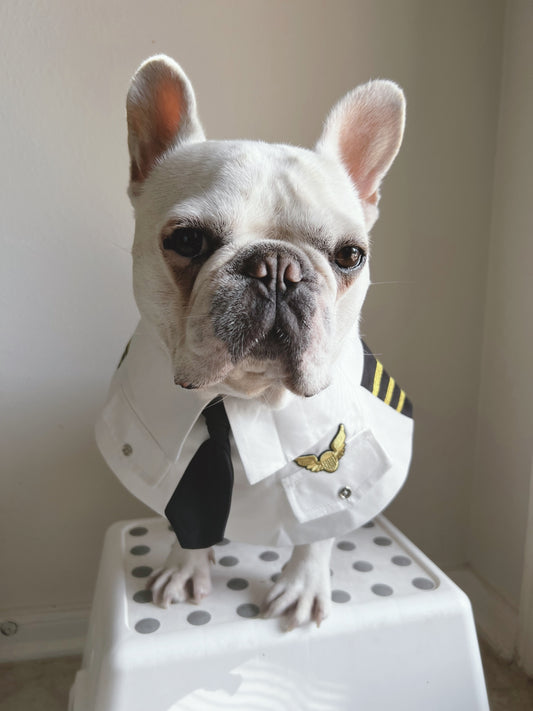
(505, 436)
(265, 69)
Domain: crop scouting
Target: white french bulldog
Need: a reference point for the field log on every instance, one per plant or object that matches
(250, 268)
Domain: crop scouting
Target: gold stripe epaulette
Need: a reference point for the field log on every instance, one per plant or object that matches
(382, 385)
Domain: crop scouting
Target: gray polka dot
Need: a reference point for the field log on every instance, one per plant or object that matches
(127, 450)
(142, 571)
(370, 524)
(363, 566)
(237, 584)
(228, 561)
(275, 577)
(248, 610)
(223, 542)
(402, 560)
(140, 550)
(423, 583)
(269, 556)
(148, 625)
(345, 546)
(199, 617)
(382, 590)
(340, 596)
(138, 531)
(382, 541)
(143, 596)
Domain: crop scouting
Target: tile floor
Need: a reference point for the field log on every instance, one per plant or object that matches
(43, 685)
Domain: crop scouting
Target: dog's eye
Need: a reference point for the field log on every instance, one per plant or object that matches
(188, 242)
(349, 257)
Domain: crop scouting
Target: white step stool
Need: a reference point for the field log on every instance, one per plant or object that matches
(400, 636)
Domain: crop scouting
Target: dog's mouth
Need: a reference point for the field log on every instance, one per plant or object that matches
(271, 365)
(276, 362)
(271, 382)
(254, 378)
(251, 378)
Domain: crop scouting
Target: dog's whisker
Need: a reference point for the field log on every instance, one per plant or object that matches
(381, 283)
(120, 247)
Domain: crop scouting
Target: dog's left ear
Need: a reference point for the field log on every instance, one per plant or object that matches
(364, 131)
(161, 112)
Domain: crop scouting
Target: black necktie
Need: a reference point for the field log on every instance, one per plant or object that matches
(199, 507)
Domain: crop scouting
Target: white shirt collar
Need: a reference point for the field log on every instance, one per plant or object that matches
(266, 439)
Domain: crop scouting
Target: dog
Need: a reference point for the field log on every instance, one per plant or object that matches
(250, 268)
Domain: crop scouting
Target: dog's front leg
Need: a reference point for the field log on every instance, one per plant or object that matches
(185, 576)
(303, 590)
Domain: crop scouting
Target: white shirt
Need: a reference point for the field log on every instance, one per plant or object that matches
(149, 431)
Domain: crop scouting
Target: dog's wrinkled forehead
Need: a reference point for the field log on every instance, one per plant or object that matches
(274, 191)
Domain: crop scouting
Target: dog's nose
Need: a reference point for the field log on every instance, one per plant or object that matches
(276, 271)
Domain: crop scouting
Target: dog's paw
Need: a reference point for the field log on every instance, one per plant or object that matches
(185, 576)
(303, 590)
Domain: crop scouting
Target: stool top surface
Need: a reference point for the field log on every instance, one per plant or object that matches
(371, 564)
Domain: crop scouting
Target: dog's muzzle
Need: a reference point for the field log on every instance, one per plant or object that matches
(265, 304)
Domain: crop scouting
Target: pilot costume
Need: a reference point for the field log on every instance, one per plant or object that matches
(319, 467)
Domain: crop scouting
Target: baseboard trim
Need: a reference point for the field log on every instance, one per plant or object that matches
(496, 620)
(42, 633)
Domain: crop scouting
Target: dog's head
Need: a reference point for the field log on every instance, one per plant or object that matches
(251, 259)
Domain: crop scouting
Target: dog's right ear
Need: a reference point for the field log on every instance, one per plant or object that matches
(161, 113)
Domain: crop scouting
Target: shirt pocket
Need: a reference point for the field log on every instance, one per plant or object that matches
(312, 495)
(131, 447)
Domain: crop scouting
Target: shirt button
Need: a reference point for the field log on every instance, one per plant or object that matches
(345, 492)
(127, 449)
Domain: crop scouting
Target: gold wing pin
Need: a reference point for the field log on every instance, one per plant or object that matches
(329, 460)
